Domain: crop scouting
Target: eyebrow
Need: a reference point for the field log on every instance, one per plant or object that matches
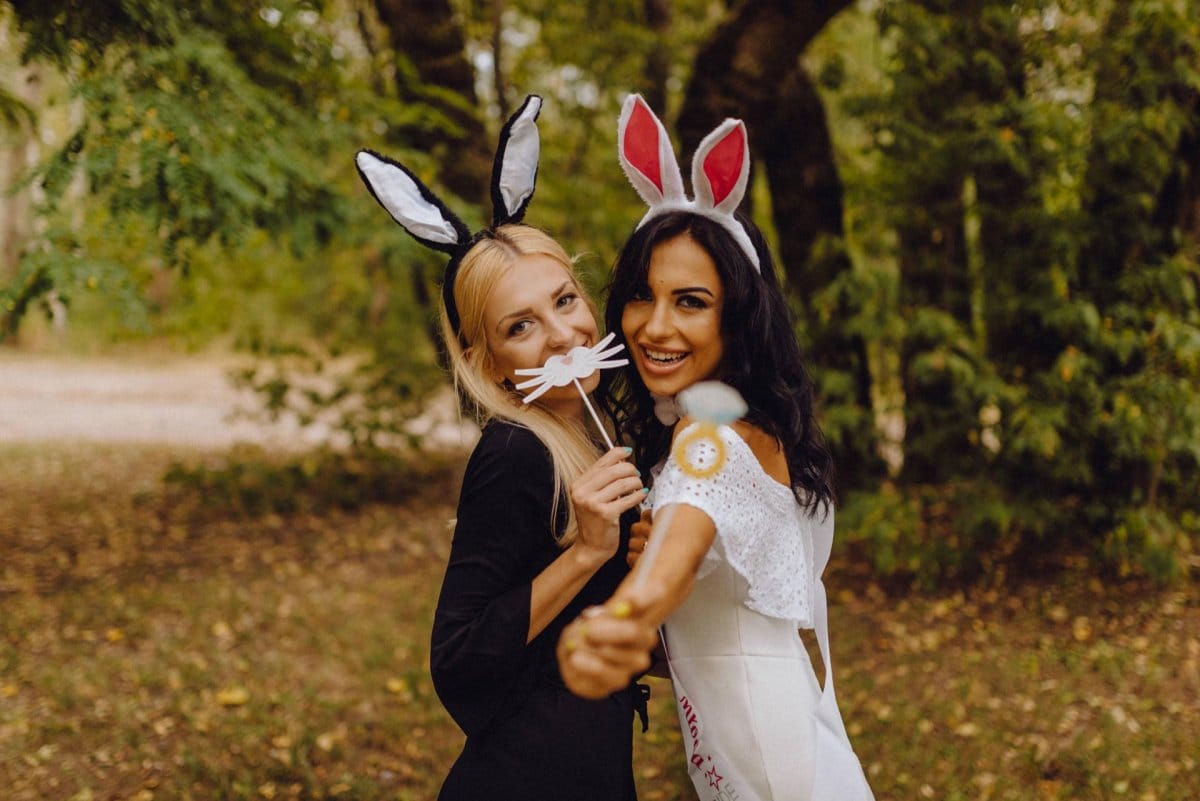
(690, 289)
(529, 309)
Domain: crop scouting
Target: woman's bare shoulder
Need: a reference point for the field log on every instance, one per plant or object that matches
(766, 449)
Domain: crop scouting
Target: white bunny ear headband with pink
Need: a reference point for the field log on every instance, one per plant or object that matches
(720, 170)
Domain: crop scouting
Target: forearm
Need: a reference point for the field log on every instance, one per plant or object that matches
(601, 651)
(668, 580)
(559, 583)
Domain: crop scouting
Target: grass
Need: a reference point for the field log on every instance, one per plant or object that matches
(153, 646)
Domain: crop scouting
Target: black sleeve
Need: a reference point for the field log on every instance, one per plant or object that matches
(478, 650)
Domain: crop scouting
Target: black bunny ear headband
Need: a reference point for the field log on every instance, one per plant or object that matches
(428, 220)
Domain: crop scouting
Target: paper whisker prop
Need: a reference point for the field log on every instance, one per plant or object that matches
(700, 453)
(578, 363)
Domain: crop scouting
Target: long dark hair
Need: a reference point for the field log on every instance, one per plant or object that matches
(761, 357)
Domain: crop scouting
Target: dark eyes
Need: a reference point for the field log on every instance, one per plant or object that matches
(564, 301)
(686, 301)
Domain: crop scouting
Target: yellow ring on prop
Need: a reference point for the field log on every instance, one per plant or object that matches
(706, 432)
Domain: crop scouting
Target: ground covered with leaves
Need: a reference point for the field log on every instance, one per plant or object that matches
(178, 640)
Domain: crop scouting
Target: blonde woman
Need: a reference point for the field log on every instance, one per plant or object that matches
(544, 512)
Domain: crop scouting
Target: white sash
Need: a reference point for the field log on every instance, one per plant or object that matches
(710, 770)
(838, 775)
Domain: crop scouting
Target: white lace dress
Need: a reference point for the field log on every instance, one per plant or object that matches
(756, 724)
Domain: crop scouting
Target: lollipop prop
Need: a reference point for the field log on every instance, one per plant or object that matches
(700, 453)
(579, 362)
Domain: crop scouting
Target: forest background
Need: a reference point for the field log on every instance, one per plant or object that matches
(987, 216)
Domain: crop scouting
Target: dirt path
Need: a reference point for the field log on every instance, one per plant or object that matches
(181, 401)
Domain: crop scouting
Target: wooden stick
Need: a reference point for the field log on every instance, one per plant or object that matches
(658, 533)
(595, 417)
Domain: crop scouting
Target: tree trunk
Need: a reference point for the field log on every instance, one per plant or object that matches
(16, 210)
(1177, 212)
(750, 68)
(430, 36)
(658, 61)
(806, 206)
(738, 72)
(806, 192)
(499, 80)
(373, 38)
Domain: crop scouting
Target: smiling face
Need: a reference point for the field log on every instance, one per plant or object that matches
(673, 324)
(535, 311)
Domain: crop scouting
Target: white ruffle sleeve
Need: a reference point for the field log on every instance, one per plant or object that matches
(762, 531)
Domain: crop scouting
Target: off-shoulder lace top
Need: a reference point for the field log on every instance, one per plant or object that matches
(762, 531)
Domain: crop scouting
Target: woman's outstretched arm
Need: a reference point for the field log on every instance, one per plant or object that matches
(607, 646)
(601, 652)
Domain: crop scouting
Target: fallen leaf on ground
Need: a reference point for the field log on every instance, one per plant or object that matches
(233, 696)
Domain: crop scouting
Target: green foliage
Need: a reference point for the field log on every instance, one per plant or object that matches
(367, 401)
(1026, 291)
(46, 278)
(15, 112)
(179, 137)
(154, 150)
(584, 71)
(1150, 541)
(202, 126)
(933, 533)
(209, 194)
(1048, 304)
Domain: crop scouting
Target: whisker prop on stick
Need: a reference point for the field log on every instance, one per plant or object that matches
(580, 362)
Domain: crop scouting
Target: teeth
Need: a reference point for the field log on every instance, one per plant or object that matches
(662, 356)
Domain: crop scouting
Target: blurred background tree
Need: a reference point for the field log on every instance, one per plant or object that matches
(1036, 164)
(987, 213)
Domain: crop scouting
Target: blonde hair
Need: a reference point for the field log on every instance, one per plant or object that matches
(572, 449)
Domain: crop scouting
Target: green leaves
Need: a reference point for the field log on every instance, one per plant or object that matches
(213, 144)
(48, 282)
(1030, 155)
(15, 112)
(183, 140)
(1017, 180)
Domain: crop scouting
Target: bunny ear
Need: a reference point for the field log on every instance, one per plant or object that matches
(514, 172)
(646, 154)
(720, 174)
(721, 167)
(411, 203)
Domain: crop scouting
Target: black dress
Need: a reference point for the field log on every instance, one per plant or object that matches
(528, 736)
